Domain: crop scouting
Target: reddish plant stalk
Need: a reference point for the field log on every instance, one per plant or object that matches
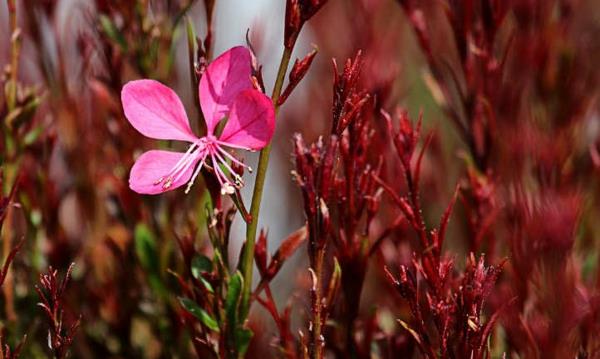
(51, 292)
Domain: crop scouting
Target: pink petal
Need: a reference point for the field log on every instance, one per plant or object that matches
(152, 166)
(223, 80)
(155, 111)
(251, 121)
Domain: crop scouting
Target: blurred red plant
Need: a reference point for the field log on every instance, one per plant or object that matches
(515, 274)
(51, 292)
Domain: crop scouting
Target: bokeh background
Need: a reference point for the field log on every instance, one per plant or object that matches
(70, 150)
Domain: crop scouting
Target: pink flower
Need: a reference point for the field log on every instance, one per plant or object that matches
(226, 92)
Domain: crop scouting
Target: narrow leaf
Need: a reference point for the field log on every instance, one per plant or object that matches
(205, 318)
(234, 290)
(201, 264)
(334, 283)
(112, 32)
(145, 247)
(242, 340)
(286, 249)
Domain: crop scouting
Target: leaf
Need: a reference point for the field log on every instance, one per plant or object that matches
(446, 216)
(234, 290)
(334, 283)
(145, 247)
(413, 333)
(112, 32)
(33, 135)
(147, 253)
(201, 264)
(207, 285)
(260, 253)
(191, 42)
(286, 249)
(205, 318)
(23, 114)
(242, 340)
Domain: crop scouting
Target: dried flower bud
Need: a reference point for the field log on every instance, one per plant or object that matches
(293, 22)
(286, 249)
(297, 12)
(406, 138)
(348, 100)
(260, 253)
(297, 74)
(314, 174)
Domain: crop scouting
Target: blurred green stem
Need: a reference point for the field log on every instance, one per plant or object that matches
(247, 260)
(317, 343)
(10, 156)
(11, 96)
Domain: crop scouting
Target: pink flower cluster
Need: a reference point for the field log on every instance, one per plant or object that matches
(227, 93)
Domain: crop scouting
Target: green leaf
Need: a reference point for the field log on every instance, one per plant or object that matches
(199, 313)
(242, 340)
(234, 290)
(589, 264)
(22, 115)
(145, 248)
(221, 267)
(147, 254)
(33, 135)
(207, 285)
(191, 42)
(412, 332)
(334, 283)
(201, 264)
(112, 32)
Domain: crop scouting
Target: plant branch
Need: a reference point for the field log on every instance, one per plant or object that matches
(14, 55)
(246, 262)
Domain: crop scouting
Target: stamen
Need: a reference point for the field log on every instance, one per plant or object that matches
(232, 145)
(227, 189)
(184, 156)
(233, 159)
(182, 161)
(223, 176)
(216, 169)
(193, 179)
(168, 183)
(186, 165)
(237, 177)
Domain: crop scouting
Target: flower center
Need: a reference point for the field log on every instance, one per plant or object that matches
(208, 146)
(218, 155)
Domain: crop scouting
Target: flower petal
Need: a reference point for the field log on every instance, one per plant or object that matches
(251, 121)
(153, 165)
(223, 80)
(155, 111)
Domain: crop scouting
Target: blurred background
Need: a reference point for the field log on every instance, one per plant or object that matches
(528, 172)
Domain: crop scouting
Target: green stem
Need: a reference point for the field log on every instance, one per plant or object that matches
(316, 344)
(247, 260)
(14, 52)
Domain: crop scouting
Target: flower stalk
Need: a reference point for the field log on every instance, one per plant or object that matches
(297, 13)
(317, 342)
(11, 98)
(261, 174)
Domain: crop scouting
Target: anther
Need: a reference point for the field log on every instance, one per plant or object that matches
(227, 188)
(159, 181)
(168, 183)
